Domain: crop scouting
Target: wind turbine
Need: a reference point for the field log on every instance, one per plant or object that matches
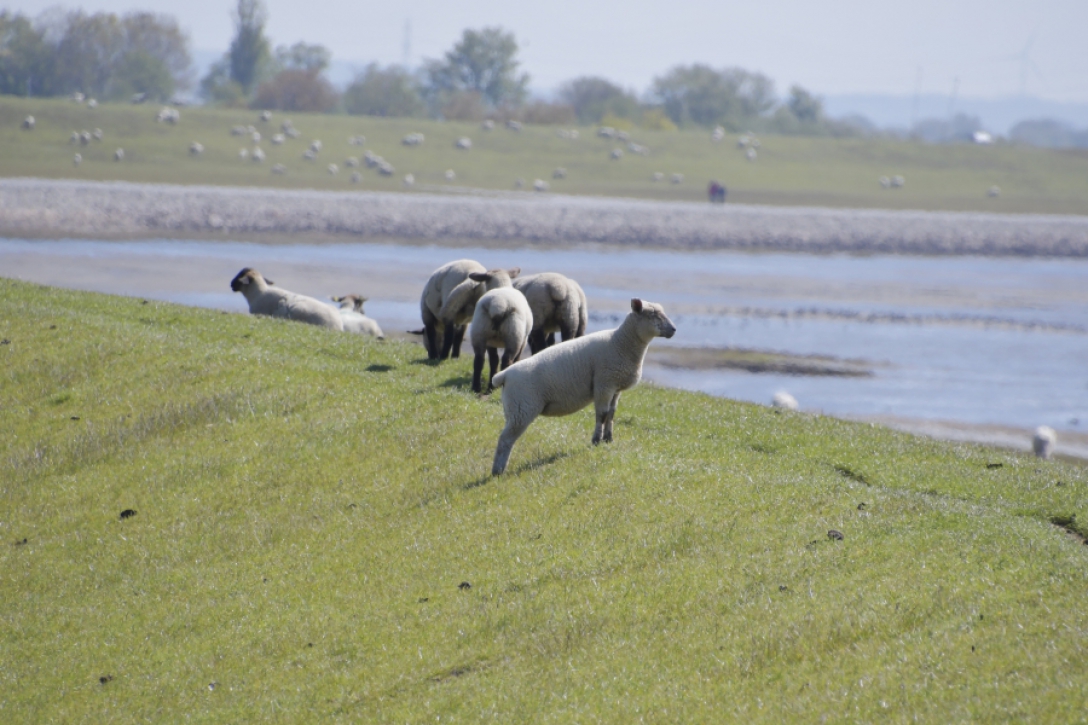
(1027, 65)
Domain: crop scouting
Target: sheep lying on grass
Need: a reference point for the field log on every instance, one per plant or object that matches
(558, 304)
(784, 401)
(353, 317)
(263, 299)
(565, 378)
(502, 319)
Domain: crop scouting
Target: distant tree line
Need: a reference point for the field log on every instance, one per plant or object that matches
(104, 55)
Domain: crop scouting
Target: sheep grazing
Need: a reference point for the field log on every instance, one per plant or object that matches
(286, 125)
(255, 137)
(315, 147)
(77, 97)
(385, 168)
(356, 140)
(74, 138)
(354, 319)
(540, 185)
(167, 115)
(450, 175)
(638, 149)
(1044, 441)
(657, 176)
(92, 103)
(293, 133)
(898, 182)
(196, 148)
(558, 305)
(119, 155)
(309, 155)
(351, 162)
(488, 125)
(885, 182)
(243, 154)
(264, 299)
(750, 154)
(784, 401)
(77, 159)
(559, 173)
(333, 169)
(993, 192)
(606, 132)
(278, 139)
(266, 116)
(279, 169)
(257, 155)
(409, 180)
(566, 378)
(448, 301)
(502, 318)
(238, 131)
(513, 125)
(623, 136)
(85, 138)
(718, 135)
(356, 177)
(616, 154)
(677, 178)
(464, 143)
(412, 139)
(28, 123)
(97, 134)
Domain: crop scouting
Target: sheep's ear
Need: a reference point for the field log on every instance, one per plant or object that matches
(636, 304)
(479, 276)
(514, 272)
(268, 281)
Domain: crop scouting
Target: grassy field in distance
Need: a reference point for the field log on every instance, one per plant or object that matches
(315, 538)
(788, 170)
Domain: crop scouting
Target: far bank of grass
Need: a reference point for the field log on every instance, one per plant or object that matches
(788, 170)
(314, 537)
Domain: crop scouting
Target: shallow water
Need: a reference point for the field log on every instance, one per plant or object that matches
(978, 340)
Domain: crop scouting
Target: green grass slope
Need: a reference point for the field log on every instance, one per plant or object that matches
(308, 505)
(789, 170)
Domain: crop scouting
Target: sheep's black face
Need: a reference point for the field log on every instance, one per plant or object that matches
(240, 279)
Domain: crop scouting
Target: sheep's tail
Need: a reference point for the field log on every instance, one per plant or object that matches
(496, 382)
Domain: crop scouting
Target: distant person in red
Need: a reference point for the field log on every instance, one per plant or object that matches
(716, 192)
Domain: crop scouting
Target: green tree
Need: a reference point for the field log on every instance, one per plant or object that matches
(483, 61)
(27, 66)
(700, 94)
(805, 107)
(592, 98)
(249, 52)
(296, 90)
(302, 56)
(378, 91)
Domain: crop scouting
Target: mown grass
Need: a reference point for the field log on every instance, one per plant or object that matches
(789, 170)
(308, 505)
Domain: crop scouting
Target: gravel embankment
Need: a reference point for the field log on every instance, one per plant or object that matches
(58, 208)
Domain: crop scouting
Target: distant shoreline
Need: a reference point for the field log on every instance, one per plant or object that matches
(36, 208)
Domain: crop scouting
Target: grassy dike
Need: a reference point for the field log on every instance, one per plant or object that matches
(308, 505)
(788, 171)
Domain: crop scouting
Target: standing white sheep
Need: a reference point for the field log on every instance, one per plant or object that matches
(502, 318)
(566, 378)
(449, 283)
(558, 305)
(263, 299)
(28, 123)
(354, 319)
(1044, 441)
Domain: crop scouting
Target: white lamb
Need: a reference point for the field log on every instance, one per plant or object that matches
(449, 283)
(558, 305)
(355, 320)
(502, 319)
(566, 378)
(263, 299)
(784, 401)
(1044, 441)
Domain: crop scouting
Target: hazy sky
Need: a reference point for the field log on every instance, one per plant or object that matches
(849, 46)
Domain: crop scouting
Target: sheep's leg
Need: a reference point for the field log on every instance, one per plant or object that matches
(536, 340)
(430, 340)
(448, 334)
(478, 369)
(603, 402)
(509, 436)
(611, 417)
(458, 338)
(493, 358)
(566, 331)
(550, 339)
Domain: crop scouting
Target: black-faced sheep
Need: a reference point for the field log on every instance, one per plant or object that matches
(558, 305)
(566, 378)
(264, 299)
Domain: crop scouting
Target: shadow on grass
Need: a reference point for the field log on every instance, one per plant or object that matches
(527, 466)
(379, 368)
(458, 381)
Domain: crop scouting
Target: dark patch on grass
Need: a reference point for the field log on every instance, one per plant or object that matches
(379, 368)
(21, 543)
(835, 535)
(105, 678)
(862, 506)
(459, 381)
(994, 465)
(463, 586)
(5, 341)
(765, 450)
(424, 600)
(74, 417)
(1068, 522)
(851, 474)
(783, 588)
(455, 672)
(128, 513)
